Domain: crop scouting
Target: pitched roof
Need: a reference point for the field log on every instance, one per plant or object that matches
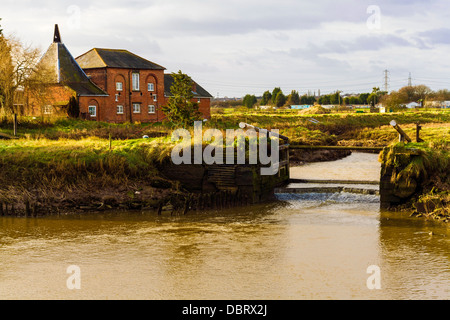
(66, 71)
(115, 58)
(199, 93)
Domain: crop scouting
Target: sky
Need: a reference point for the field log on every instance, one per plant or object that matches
(238, 47)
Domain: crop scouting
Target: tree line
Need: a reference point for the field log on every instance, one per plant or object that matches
(394, 99)
(276, 98)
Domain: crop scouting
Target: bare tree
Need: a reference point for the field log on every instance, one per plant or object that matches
(6, 75)
(20, 74)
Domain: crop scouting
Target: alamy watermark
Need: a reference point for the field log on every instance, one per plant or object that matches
(236, 142)
(74, 280)
(374, 280)
(374, 20)
(74, 20)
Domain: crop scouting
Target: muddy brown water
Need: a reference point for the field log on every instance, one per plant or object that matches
(304, 246)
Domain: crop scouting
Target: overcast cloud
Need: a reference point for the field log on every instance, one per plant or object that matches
(246, 46)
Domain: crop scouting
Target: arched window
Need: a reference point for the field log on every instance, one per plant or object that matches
(93, 110)
(151, 84)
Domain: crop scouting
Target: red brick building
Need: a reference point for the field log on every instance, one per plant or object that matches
(111, 85)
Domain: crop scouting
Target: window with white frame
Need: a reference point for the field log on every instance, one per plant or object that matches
(92, 111)
(150, 87)
(119, 86)
(136, 108)
(48, 109)
(155, 97)
(135, 81)
(151, 109)
(117, 97)
(119, 109)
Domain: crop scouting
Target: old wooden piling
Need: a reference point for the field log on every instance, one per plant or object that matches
(27, 209)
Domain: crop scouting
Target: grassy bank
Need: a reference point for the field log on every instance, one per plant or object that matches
(425, 169)
(54, 175)
(54, 129)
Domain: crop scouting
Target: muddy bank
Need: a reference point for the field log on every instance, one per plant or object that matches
(140, 197)
(159, 190)
(300, 157)
(88, 197)
(159, 194)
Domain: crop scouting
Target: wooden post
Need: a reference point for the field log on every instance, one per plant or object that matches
(403, 135)
(34, 213)
(160, 208)
(186, 206)
(15, 124)
(418, 128)
(27, 209)
(110, 140)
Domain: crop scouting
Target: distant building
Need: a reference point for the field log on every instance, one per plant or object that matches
(300, 107)
(413, 105)
(266, 107)
(437, 104)
(361, 106)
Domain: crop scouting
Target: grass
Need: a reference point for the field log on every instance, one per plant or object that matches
(344, 128)
(78, 129)
(73, 158)
(338, 128)
(385, 135)
(47, 170)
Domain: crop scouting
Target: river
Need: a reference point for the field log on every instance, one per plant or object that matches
(304, 246)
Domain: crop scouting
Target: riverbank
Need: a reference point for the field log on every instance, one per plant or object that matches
(60, 166)
(416, 178)
(42, 177)
(45, 177)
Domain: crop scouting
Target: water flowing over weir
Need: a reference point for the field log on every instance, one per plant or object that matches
(303, 246)
(323, 198)
(336, 177)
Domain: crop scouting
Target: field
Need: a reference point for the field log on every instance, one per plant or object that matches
(340, 128)
(351, 129)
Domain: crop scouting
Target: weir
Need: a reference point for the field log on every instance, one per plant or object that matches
(237, 184)
(245, 183)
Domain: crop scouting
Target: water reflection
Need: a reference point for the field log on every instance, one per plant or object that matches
(416, 256)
